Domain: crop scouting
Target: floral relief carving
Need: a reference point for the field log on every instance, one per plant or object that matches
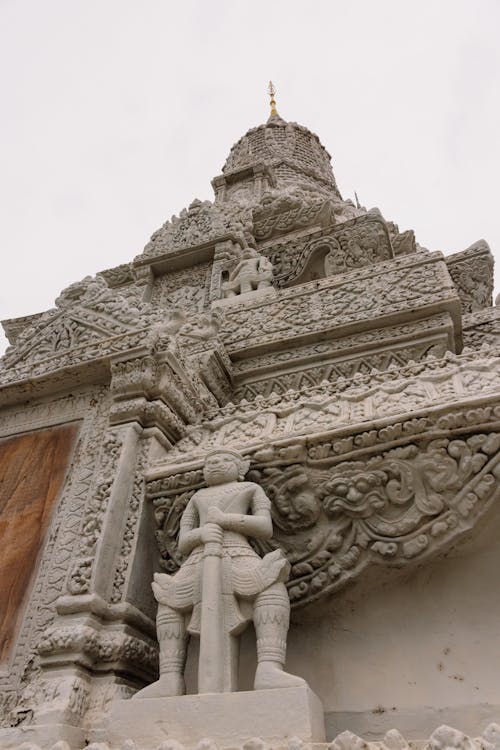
(99, 646)
(136, 498)
(81, 571)
(186, 288)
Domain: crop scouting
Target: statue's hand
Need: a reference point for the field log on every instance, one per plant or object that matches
(215, 515)
(211, 532)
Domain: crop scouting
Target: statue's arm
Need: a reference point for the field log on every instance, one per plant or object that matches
(190, 533)
(234, 273)
(258, 525)
(265, 264)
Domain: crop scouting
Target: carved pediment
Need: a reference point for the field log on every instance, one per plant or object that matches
(15, 326)
(335, 519)
(200, 224)
(86, 312)
(339, 249)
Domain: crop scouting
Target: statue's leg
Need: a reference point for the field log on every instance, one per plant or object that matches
(271, 619)
(172, 638)
(246, 284)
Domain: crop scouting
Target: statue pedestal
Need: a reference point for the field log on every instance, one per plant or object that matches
(230, 719)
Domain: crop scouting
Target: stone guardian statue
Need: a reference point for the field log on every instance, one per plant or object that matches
(222, 585)
(252, 272)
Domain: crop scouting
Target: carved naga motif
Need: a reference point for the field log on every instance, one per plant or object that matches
(285, 211)
(339, 249)
(397, 506)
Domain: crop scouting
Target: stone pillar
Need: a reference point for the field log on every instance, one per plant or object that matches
(105, 625)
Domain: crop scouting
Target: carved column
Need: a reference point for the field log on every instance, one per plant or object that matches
(105, 622)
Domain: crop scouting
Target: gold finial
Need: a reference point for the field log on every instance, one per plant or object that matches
(272, 91)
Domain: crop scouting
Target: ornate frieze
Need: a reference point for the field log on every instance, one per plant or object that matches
(336, 250)
(89, 322)
(362, 341)
(482, 328)
(368, 351)
(395, 357)
(419, 387)
(387, 289)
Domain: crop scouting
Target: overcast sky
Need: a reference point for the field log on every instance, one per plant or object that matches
(117, 113)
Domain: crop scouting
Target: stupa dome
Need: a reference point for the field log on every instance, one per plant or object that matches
(292, 151)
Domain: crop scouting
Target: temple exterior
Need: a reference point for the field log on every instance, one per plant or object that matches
(357, 372)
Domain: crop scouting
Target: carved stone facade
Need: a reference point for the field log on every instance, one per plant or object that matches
(356, 372)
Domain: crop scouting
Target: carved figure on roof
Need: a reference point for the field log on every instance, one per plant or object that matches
(222, 585)
(253, 271)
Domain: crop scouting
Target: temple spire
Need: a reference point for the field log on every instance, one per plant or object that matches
(272, 91)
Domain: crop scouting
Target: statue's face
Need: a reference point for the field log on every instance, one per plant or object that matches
(220, 468)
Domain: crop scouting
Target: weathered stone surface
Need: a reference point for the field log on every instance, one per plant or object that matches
(232, 718)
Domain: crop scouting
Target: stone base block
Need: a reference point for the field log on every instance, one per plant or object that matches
(43, 735)
(230, 719)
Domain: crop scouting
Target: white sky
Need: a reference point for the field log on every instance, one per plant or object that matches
(115, 114)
